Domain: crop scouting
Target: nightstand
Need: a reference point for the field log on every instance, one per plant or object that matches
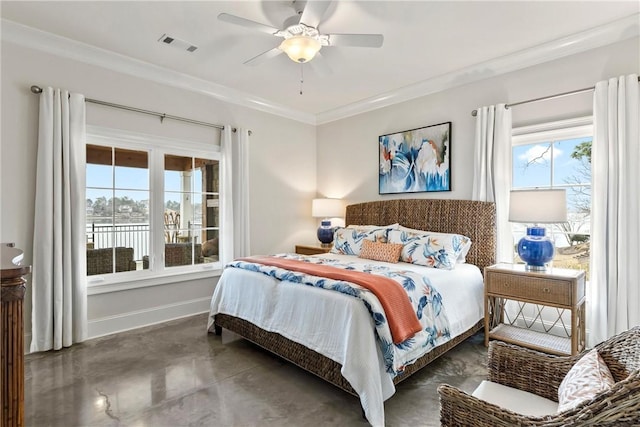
(311, 250)
(560, 288)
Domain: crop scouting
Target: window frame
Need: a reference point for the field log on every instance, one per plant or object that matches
(157, 147)
(550, 132)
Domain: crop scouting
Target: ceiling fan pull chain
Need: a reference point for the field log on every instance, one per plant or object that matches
(301, 76)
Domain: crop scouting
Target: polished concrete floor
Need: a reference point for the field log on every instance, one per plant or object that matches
(175, 374)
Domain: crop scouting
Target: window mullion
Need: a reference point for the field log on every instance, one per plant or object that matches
(157, 214)
(113, 211)
(552, 177)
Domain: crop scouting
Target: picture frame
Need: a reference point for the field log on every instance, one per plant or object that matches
(416, 160)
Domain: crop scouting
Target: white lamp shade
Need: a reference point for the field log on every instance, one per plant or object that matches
(327, 208)
(538, 206)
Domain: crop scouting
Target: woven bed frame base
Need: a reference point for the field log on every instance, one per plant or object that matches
(316, 363)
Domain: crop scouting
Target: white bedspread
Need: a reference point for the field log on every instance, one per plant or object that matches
(340, 327)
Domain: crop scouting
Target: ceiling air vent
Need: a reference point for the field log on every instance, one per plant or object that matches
(177, 43)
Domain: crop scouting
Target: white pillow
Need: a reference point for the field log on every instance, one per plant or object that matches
(589, 377)
(463, 251)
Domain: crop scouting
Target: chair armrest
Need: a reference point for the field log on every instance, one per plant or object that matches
(528, 370)
(618, 407)
(458, 408)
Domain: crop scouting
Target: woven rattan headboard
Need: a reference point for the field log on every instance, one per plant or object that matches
(476, 220)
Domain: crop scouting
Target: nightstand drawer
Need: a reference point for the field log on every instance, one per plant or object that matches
(542, 290)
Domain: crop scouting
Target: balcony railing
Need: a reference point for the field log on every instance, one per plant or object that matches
(134, 236)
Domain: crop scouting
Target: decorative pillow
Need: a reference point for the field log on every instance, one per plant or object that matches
(437, 250)
(373, 227)
(348, 241)
(387, 252)
(589, 377)
(465, 249)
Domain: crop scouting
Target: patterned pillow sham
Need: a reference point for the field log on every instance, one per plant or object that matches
(589, 377)
(373, 227)
(348, 241)
(465, 249)
(377, 251)
(437, 250)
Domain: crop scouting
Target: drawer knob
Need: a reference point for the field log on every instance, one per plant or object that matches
(546, 290)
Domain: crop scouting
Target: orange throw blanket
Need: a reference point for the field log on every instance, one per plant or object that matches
(398, 310)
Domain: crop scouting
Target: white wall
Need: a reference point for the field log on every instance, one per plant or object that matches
(348, 149)
(286, 156)
(282, 162)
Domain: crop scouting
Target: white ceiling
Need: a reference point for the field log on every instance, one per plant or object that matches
(422, 40)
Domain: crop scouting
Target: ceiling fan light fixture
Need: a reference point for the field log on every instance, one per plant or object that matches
(301, 48)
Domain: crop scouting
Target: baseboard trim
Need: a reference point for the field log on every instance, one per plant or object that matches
(137, 319)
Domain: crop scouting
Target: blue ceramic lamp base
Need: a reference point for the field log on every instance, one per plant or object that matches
(536, 249)
(325, 234)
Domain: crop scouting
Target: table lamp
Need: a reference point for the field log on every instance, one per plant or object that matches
(537, 207)
(327, 209)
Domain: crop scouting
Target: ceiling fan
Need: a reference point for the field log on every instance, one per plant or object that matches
(302, 39)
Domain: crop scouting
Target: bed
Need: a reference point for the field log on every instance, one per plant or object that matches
(355, 348)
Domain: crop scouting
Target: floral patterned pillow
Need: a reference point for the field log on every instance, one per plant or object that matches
(377, 251)
(395, 226)
(589, 377)
(437, 250)
(348, 241)
(461, 256)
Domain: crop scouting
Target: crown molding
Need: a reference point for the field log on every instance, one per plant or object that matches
(33, 38)
(619, 30)
(603, 35)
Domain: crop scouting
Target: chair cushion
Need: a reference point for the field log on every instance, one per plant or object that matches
(518, 401)
(589, 377)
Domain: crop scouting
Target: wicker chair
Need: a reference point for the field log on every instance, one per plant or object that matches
(100, 261)
(541, 374)
(176, 254)
(180, 254)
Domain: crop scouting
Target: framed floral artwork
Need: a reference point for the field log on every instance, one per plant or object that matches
(417, 160)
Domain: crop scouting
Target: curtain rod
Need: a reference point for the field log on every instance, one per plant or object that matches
(38, 89)
(545, 98)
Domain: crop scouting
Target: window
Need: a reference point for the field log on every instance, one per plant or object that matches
(152, 206)
(558, 155)
(190, 210)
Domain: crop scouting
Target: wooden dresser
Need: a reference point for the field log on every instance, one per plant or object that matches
(12, 352)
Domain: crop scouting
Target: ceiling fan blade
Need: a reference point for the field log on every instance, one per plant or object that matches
(356, 40)
(233, 19)
(320, 66)
(313, 12)
(259, 59)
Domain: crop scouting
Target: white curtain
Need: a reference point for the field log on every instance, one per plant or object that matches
(235, 194)
(614, 292)
(59, 295)
(492, 170)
